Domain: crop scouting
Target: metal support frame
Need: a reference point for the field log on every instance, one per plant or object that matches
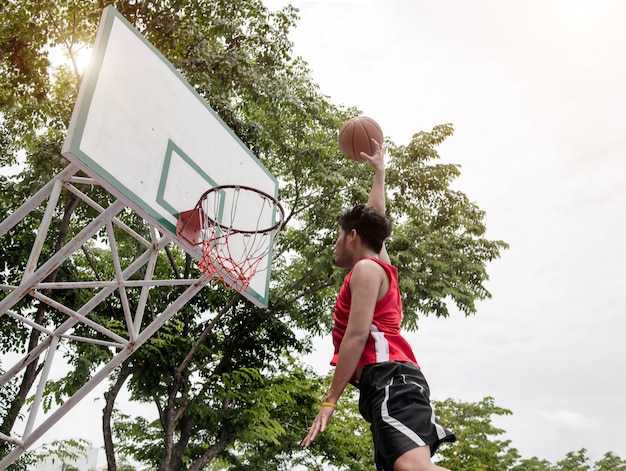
(32, 284)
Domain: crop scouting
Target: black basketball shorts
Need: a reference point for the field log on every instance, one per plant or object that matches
(395, 400)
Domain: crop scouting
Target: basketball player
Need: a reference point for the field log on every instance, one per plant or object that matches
(369, 350)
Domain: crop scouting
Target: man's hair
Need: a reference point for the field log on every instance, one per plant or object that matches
(371, 224)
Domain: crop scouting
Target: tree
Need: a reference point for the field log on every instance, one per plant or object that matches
(440, 243)
(34, 112)
(573, 461)
(533, 464)
(610, 462)
(477, 448)
(223, 374)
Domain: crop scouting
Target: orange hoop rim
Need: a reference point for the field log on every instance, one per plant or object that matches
(232, 230)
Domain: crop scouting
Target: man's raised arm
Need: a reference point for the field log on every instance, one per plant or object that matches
(377, 193)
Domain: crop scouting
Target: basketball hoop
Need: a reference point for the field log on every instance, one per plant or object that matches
(235, 227)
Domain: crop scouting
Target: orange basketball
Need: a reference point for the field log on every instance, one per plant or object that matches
(355, 136)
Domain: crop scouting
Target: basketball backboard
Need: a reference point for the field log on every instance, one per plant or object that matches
(150, 139)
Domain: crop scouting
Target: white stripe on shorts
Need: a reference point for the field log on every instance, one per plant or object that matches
(441, 432)
(395, 423)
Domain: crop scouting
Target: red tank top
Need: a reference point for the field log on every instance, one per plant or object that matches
(385, 343)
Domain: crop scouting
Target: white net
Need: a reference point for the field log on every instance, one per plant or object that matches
(238, 228)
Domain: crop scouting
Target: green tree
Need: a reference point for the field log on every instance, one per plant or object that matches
(222, 373)
(477, 447)
(345, 445)
(610, 462)
(440, 242)
(574, 461)
(34, 111)
(533, 464)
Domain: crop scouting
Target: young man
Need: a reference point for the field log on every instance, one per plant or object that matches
(369, 350)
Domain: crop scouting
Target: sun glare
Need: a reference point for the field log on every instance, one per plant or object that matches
(83, 58)
(78, 63)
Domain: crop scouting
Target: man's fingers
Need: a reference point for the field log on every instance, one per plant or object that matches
(378, 149)
(319, 425)
(310, 436)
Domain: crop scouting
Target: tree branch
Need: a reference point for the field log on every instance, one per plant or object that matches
(204, 334)
(107, 412)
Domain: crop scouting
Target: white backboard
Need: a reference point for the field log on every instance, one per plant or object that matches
(150, 139)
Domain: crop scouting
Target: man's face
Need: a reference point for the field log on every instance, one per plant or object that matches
(341, 254)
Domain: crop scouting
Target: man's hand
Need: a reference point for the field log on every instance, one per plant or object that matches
(377, 159)
(319, 425)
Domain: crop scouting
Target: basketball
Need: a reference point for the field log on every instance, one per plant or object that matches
(355, 136)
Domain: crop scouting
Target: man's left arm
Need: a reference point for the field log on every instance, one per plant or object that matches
(364, 286)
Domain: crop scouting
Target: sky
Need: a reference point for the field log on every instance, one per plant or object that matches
(535, 92)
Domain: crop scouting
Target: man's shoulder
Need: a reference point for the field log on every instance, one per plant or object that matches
(369, 265)
(367, 262)
(374, 262)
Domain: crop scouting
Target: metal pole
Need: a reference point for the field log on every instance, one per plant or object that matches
(42, 231)
(35, 200)
(48, 267)
(43, 379)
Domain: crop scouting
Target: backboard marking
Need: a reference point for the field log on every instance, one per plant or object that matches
(143, 132)
(174, 163)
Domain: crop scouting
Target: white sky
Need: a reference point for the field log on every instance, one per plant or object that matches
(535, 91)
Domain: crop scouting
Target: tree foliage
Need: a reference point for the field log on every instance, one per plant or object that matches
(478, 447)
(610, 462)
